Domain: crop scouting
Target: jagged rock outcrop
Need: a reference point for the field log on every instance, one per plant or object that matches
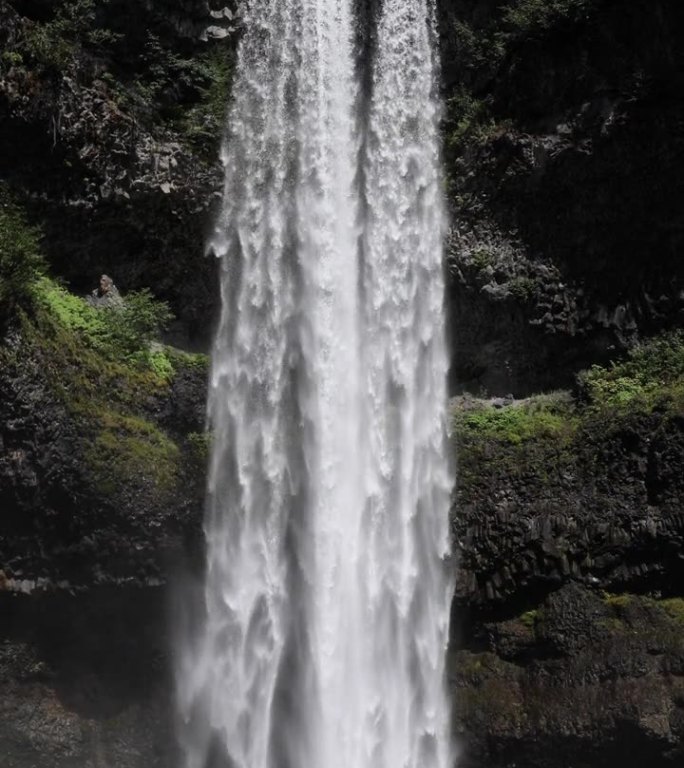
(584, 680)
(567, 649)
(92, 490)
(110, 118)
(562, 144)
(604, 510)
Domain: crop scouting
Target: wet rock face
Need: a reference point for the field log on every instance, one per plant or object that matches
(85, 680)
(557, 662)
(607, 513)
(109, 133)
(562, 138)
(75, 517)
(583, 680)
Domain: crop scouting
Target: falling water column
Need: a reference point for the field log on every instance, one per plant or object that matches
(283, 401)
(325, 597)
(408, 482)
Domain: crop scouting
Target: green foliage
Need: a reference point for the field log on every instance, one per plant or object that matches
(514, 424)
(124, 333)
(483, 258)
(529, 17)
(131, 448)
(54, 44)
(130, 328)
(480, 49)
(529, 618)
(485, 48)
(199, 447)
(193, 360)
(204, 122)
(532, 441)
(10, 59)
(203, 80)
(523, 289)
(674, 607)
(652, 376)
(21, 262)
(620, 601)
(105, 394)
(662, 620)
(551, 440)
(71, 311)
(469, 122)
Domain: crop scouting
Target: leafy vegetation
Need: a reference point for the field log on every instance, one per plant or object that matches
(187, 93)
(108, 381)
(53, 44)
(529, 618)
(528, 17)
(124, 333)
(127, 448)
(666, 616)
(674, 607)
(146, 76)
(619, 602)
(482, 50)
(469, 122)
(652, 376)
(535, 418)
(204, 121)
(21, 262)
(102, 363)
(552, 440)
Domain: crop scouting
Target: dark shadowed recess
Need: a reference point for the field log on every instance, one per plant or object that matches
(577, 162)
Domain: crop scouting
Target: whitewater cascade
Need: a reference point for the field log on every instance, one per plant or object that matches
(326, 596)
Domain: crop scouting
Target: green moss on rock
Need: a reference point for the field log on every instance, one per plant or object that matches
(130, 449)
(113, 396)
(551, 438)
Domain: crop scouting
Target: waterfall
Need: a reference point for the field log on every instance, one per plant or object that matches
(326, 598)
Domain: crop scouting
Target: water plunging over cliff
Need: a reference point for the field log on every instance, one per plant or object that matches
(326, 597)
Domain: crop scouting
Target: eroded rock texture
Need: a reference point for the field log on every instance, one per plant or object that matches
(555, 661)
(563, 143)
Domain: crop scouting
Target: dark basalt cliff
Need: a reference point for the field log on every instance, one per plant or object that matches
(563, 146)
(563, 143)
(569, 630)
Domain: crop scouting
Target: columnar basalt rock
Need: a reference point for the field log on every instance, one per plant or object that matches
(561, 140)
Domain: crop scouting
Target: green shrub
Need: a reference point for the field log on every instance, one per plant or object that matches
(527, 17)
(52, 44)
(523, 289)
(125, 333)
(652, 375)
(21, 262)
(106, 394)
(529, 618)
(548, 416)
(199, 448)
(71, 311)
(469, 123)
(204, 122)
(130, 329)
(674, 607)
(482, 258)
